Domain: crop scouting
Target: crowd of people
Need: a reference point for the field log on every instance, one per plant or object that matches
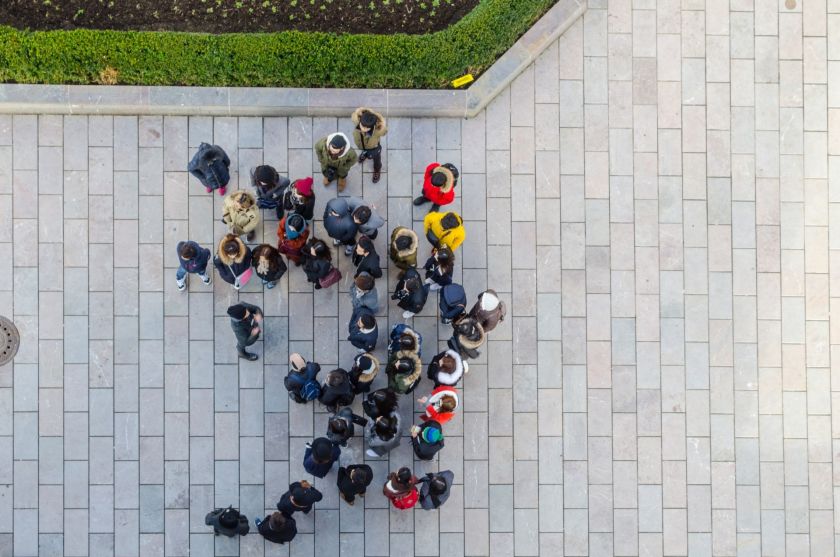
(353, 224)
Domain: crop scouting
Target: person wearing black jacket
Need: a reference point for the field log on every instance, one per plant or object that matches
(233, 260)
(364, 371)
(411, 292)
(316, 261)
(300, 498)
(341, 426)
(365, 258)
(302, 379)
(227, 522)
(210, 165)
(363, 329)
(277, 527)
(299, 198)
(353, 480)
(381, 402)
(246, 321)
(319, 457)
(434, 489)
(192, 258)
(268, 264)
(337, 391)
(269, 187)
(427, 439)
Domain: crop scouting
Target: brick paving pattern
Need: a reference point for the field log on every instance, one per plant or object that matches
(652, 199)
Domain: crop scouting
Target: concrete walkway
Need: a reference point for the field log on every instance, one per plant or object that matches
(652, 198)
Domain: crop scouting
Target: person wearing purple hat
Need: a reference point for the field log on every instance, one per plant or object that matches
(320, 456)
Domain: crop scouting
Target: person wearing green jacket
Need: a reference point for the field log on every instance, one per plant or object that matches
(370, 128)
(336, 158)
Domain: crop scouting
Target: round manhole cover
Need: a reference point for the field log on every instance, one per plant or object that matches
(9, 340)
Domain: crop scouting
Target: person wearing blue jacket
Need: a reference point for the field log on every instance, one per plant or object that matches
(320, 456)
(404, 337)
(192, 259)
(363, 329)
(302, 380)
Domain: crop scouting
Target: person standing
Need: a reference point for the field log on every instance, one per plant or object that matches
(233, 261)
(439, 268)
(337, 391)
(441, 405)
(268, 264)
(411, 293)
(302, 379)
(370, 129)
(403, 249)
(489, 310)
(447, 368)
(299, 198)
(317, 262)
(192, 258)
(241, 214)
(364, 371)
(245, 320)
(400, 489)
(320, 456)
(444, 230)
(227, 522)
(300, 498)
(404, 337)
(363, 293)
(365, 258)
(467, 337)
(363, 330)
(404, 371)
(336, 158)
(353, 480)
(211, 165)
(269, 187)
(277, 527)
(426, 439)
(292, 234)
(344, 217)
(439, 183)
(434, 489)
(381, 402)
(341, 426)
(383, 434)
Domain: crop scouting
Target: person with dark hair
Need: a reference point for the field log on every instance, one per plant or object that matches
(336, 158)
(227, 522)
(241, 215)
(364, 371)
(353, 480)
(403, 249)
(489, 310)
(300, 498)
(439, 268)
(369, 130)
(192, 258)
(268, 264)
(467, 337)
(363, 293)
(452, 302)
(404, 371)
(444, 230)
(365, 258)
(317, 262)
(277, 527)
(400, 489)
(320, 456)
(426, 439)
(341, 426)
(439, 184)
(344, 217)
(434, 489)
(210, 165)
(404, 337)
(292, 234)
(363, 329)
(336, 391)
(447, 368)
(411, 293)
(233, 261)
(269, 187)
(302, 380)
(299, 198)
(383, 434)
(381, 402)
(441, 405)
(245, 320)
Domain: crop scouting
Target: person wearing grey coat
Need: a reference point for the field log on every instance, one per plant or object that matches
(363, 293)
(383, 434)
(435, 488)
(344, 217)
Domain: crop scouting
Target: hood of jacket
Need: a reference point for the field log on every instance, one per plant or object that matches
(346, 143)
(366, 376)
(240, 255)
(232, 203)
(489, 300)
(357, 115)
(418, 367)
(473, 344)
(403, 232)
(452, 378)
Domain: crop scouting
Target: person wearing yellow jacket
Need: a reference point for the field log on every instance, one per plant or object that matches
(444, 229)
(241, 213)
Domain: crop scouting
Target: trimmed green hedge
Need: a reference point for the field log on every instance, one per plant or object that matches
(286, 59)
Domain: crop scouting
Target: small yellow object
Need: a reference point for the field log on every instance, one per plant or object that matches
(463, 80)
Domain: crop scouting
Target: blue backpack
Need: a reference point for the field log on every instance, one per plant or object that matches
(453, 301)
(311, 390)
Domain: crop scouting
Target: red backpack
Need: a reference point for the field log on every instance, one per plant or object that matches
(406, 501)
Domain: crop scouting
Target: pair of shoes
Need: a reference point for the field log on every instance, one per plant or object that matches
(420, 200)
(434, 208)
(205, 279)
(372, 454)
(408, 314)
(348, 250)
(251, 235)
(342, 183)
(245, 355)
(376, 176)
(222, 190)
(182, 284)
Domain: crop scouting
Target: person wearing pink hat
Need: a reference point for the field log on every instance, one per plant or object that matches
(299, 198)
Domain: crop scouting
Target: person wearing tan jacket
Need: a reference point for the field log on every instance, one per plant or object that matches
(241, 214)
(370, 128)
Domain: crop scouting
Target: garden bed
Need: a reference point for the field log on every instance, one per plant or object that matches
(282, 59)
(232, 16)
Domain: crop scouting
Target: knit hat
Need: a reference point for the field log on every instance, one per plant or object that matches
(322, 449)
(338, 141)
(304, 186)
(265, 174)
(431, 434)
(237, 311)
(294, 225)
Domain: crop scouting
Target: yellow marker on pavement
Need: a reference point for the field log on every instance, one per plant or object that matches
(463, 80)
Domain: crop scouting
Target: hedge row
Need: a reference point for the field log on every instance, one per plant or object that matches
(285, 59)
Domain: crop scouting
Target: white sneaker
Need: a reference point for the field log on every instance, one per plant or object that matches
(466, 366)
(205, 279)
(408, 314)
(336, 242)
(372, 454)
(434, 287)
(182, 284)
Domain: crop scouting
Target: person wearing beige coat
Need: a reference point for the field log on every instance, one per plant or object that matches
(241, 213)
(370, 127)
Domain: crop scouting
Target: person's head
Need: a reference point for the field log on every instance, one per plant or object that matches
(444, 256)
(244, 200)
(187, 251)
(337, 144)
(360, 475)
(229, 518)
(361, 215)
(450, 220)
(336, 377)
(318, 248)
(364, 245)
(322, 450)
(438, 179)
(305, 484)
(367, 322)
(364, 282)
(297, 362)
(385, 427)
(296, 223)
(337, 425)
(303, 187)
(403, 243)
(431, 435)
(404, 475)
(447, 364)
(363, 363)
(413, 284)
(230, 245)
(404, 366)
(448, 403)
(367, 121)
(437, 485)
(408, 342)
(298, 493)
(277, 521)
(385, 400)
(265, 175)
(237, 311)
(466, 327)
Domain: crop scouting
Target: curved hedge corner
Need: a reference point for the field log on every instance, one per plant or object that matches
(286, 59)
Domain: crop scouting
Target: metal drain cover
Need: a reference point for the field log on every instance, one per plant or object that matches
(9, 340)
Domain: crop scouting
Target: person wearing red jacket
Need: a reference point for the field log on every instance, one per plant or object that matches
(438, 185)
(441, 405)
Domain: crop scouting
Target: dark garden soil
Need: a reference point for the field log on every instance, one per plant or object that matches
(229, 16)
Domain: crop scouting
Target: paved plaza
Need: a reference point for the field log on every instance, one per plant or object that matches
(652, 199)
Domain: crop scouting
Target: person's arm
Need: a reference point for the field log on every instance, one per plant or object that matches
(359, 420)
